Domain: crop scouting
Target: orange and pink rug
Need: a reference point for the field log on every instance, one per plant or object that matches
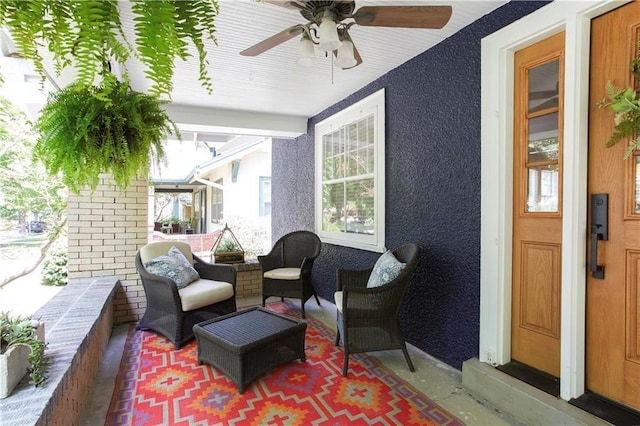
(157, 385)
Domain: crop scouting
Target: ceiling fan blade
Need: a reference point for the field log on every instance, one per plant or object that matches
(433, 17)
(273, 41)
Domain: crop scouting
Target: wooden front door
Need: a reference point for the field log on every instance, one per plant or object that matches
(613, 302)
(537, 205)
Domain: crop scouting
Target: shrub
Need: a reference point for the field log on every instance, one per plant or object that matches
(254, 235)
(54, 267)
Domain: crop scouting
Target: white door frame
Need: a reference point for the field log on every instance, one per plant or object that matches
(498, 50)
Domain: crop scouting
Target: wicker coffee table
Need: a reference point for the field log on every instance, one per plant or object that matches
(249, 343)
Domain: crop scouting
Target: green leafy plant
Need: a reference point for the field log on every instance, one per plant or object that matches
(15, 331)
(227, 246)
(624, 103)
(87, 34)
(108, 128)
(625, 106)
(54, 267)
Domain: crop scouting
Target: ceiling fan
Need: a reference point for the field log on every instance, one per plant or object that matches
(329, 22)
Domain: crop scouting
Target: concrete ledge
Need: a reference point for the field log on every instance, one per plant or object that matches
(526, 403)
(78, 323)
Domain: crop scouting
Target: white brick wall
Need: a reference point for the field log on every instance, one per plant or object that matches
(106, 229)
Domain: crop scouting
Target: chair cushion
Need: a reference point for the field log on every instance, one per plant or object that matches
(174, 266)
(386, 269)
(337, 296)
(203, 293)
(158, 248)
(283, 274)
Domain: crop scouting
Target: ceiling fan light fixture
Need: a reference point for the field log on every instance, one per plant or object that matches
(328, 35)
(306, 52)
(345, 58)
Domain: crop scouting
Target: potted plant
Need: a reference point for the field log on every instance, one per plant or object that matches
(227, 249)
(109, 128)
(99, 124)
(21, 349)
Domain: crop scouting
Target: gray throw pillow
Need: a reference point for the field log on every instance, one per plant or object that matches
(174, 266)
(386, 269)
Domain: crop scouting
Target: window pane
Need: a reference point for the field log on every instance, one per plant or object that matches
(358, 213)
(543, 86)
(360, 160)
(543, 138)
(542, 189)
(217, 202)
(265, 196)
(333, 155)
(332, 207)
(637, 185)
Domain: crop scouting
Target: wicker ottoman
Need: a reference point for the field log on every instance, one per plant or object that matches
(249, 343)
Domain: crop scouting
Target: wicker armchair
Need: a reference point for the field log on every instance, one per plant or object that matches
(173, 312)
(368, 317)
(286, 270)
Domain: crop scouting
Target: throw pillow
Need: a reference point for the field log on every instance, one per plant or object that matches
(386, 269)
(174, 266)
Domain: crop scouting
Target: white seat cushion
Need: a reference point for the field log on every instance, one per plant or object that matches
(283, 274)
(153, 250)
(204, 292)
(337, 296)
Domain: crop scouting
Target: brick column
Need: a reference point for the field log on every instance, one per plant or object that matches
(248, 279)
(106, 229)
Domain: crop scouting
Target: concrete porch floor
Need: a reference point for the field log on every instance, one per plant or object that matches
(438, 381)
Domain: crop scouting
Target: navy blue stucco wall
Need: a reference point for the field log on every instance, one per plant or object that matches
(432, 187)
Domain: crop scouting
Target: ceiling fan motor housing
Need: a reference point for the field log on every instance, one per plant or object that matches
(315, 10)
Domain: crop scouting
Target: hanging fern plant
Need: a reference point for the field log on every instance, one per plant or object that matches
(85, 131)
(85, 34)
(88, 129)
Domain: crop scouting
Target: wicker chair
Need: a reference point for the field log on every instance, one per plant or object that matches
(165, 313)
(286, 270)
(368, 317)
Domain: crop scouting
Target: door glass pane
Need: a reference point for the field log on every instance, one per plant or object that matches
(542, 188)
(543, 86)
(543, 138)
(636, 204)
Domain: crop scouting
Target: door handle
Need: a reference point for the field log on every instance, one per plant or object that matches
(597, 271)
(599, 230)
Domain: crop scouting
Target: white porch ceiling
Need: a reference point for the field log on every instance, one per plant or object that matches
(269, 94)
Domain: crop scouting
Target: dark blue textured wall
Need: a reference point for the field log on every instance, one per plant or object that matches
(432, 187)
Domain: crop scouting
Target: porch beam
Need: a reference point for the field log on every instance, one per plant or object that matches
(234, 122)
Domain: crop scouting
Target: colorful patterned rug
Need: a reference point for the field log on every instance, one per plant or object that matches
(157, 385)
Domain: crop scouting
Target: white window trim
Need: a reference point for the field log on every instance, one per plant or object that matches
(374, 103)
(497, 181)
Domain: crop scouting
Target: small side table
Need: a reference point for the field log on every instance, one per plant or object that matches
(248, 343)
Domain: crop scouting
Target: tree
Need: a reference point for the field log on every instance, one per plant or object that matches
(25, 187)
